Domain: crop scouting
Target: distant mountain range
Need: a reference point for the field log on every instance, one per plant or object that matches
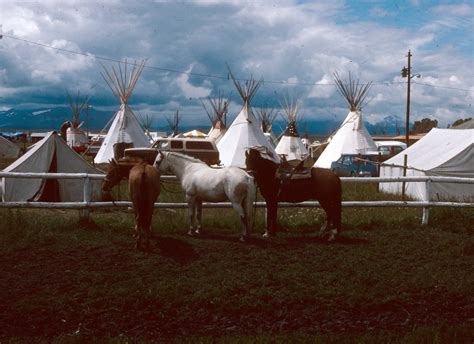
(51, 119)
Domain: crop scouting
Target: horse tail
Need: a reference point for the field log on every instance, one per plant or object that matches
(142, 196)
(338, 203)
(250, 200)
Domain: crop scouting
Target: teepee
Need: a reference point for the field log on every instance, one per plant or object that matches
(267, 116)
(76, 138)
(245, 130)
(51, 154)
(173, 123)
(352, 137)
(290, 145)
(125, 130)
(8, 149)
(217, 116)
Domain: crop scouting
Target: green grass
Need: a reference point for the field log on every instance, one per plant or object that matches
(386, 279)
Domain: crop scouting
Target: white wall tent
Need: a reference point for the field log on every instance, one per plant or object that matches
(51, 154)
(125, 129)
(441, 152)
(244, 132)
(8, 149)
(352, 137)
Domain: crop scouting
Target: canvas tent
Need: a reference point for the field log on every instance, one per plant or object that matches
(8, 149)
(75, 136)
(267, 116)
(51, 154)
(441, 152)
(125, 130)
(194, 134)
(290, 145)
(244, 132)
(352, 137)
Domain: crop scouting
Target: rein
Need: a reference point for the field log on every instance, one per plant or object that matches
(162, 182)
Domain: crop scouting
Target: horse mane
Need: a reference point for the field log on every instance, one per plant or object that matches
(267, 165)
(187, 157)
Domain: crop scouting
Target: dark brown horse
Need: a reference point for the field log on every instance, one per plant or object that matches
(144, 189)
(323, 185)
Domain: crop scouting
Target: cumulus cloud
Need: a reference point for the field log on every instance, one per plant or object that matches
(188, 89)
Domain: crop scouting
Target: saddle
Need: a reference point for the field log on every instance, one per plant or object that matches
(286, 172)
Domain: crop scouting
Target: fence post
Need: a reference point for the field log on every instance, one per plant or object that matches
(84, 214)
(405, 164)
(426, 210)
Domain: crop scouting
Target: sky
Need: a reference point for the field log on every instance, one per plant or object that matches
(50, 48)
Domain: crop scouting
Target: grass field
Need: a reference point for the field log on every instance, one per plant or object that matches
(387, 279)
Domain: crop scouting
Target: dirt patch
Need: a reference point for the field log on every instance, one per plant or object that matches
(28, 309)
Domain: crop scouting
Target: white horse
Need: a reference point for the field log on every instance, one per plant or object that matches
(203, 183)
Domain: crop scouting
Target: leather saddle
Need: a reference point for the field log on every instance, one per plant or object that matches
(286, 172)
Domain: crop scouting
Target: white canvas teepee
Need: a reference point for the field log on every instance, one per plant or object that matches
(51, 154)
(290, 145)
(125, 131)
(75, 136)
(244, 132)
(217, 116)
(441, 152)
(352, 137)
(8, 150)
(267, 116)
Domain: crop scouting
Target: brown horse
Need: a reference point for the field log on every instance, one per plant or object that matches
(323, 185)
(144, 189)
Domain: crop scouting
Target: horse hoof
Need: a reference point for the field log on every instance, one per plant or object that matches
(332, 235)
(244, 239)
(191, 232)
(269, 234)
(198, 232)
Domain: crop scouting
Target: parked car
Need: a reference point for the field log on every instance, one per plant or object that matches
(390, 148)
(356, 165)
(202, 149)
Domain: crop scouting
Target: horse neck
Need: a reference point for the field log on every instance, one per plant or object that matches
(178, 166)
(265, 176)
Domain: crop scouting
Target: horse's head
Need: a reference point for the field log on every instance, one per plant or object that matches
(112, 178)
(261, 161)
(252, 158)
(161, 162)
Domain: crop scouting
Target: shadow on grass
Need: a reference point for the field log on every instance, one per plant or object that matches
(284, 242)
(178, 250)
(254, 240)
(295, 242)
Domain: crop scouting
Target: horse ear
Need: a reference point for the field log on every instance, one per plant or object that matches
(246, 153)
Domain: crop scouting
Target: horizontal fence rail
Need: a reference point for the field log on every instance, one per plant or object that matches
(86, 205)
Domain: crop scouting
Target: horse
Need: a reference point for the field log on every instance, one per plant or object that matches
(203, 183)
(322, 185)
(144, 189)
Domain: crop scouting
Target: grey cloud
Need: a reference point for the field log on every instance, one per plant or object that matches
(288, 41)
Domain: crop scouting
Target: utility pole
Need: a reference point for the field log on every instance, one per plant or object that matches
(406, 73)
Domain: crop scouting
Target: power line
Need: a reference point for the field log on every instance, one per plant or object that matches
(447, 87)
(387, 83)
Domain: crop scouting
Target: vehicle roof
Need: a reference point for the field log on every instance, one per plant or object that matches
(390, 143)
(185, 139)
(362, 154)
